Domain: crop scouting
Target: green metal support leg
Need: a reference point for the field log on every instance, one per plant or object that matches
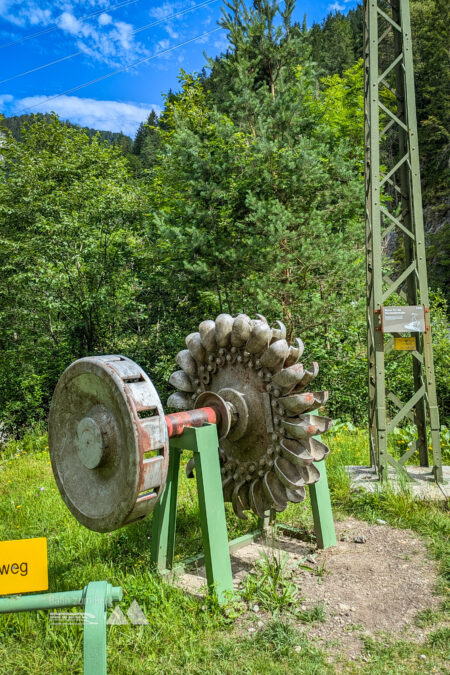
(321, 507)
(322, 512)
(204, 443)
(165, 516)
(319, 494)
(98, 596)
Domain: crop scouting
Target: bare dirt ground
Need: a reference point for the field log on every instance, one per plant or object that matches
(377, 585)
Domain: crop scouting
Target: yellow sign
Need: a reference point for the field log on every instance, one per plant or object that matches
(23, 566)
(407, 344)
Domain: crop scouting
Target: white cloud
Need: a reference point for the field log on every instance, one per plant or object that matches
(123, 33)
(165, 10)
(174, 35)
(336, 7)
(90, 112)
(104, 19)
(6, 98)
(102, 37)
(221, 44)
(68, 22)
(162, 44)
(38, 16)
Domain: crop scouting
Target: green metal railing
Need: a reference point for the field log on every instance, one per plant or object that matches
(96, 597)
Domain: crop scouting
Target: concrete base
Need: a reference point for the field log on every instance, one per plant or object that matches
(421, 481)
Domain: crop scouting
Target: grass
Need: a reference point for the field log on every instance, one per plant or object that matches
(186, 634)
(269, 583)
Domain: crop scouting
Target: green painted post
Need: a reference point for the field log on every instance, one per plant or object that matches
(319, 494)
(98, 596)
(212, 512)
(165, 515)
(203, 442)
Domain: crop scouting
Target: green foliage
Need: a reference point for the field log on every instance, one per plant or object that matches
(70, 246)
(269, 583)
(342, 107)
(246, 194)
(16, 124)
(257, 196)
(146, 142)
(440, 638)
(315, 613)
(333, 43)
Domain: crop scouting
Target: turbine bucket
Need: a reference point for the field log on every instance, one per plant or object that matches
(295, 404)
(181, 381)
(186, 362)
(180, 401)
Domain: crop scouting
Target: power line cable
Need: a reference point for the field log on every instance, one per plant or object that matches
(138, 30)
(55, 27)
(119, 70)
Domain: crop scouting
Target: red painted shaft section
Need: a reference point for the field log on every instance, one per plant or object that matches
(190, 418)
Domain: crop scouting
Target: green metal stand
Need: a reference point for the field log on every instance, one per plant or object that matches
(203, 442)
(96, 598)
(321, 507)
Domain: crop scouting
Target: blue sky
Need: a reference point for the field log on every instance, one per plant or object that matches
(91, 38)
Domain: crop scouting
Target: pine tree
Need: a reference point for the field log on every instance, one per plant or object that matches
(261, 202)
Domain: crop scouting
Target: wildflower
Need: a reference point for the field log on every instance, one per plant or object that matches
(41, 488)
(18, 506)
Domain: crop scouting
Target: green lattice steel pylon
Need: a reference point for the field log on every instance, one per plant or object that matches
(394, 205)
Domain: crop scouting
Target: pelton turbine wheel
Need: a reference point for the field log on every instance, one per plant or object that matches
(267, 456)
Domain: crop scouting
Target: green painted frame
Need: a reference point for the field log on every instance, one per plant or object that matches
(204, 443)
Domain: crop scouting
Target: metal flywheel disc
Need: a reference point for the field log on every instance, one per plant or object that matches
(108, 442)
(267, 457)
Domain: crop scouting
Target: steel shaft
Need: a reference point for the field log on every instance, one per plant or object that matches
(190, 418)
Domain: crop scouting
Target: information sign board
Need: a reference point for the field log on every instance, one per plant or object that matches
(407, 344)
(23, 566)
(406, 319)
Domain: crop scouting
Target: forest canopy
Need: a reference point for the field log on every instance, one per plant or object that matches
(245, 195)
